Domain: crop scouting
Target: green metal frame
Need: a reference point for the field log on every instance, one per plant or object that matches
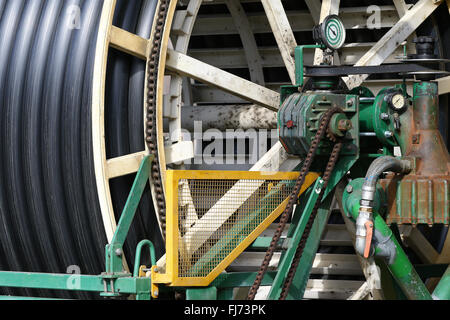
(400, 267)
(299, 63)
(115, 282)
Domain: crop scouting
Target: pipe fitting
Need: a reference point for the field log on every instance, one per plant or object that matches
(365, 218)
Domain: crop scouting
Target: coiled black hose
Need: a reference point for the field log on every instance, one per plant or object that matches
(50, 217)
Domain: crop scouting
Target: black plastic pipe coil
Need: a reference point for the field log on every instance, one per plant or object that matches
(49, 212)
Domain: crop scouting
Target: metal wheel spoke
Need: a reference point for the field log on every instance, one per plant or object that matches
(393, 38)
(192, 68)
(283, 33)
(128, 43)
(444, 85)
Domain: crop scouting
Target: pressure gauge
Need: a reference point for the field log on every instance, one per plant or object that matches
(330, 33)
(397, 101)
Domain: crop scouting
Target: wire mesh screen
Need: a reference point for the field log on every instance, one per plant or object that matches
(215, 216)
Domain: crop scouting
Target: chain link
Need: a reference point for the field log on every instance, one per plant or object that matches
(293, 198)
(151, 128)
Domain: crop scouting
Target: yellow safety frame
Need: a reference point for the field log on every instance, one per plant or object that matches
(170, 277)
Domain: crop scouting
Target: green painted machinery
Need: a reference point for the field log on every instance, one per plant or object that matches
(371, 130)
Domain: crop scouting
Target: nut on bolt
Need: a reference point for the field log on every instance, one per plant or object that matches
(345, 125)
(349, 188)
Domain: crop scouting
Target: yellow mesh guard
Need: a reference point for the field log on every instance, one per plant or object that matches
(213, 216)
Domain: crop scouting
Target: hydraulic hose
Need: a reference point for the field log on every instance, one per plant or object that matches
(364, 221)
(385, 245)
(50, 217)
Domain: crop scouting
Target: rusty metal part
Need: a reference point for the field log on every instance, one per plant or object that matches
(301, 246)
(151, 129)
(416, 199)
(423, 196)
(324, 124)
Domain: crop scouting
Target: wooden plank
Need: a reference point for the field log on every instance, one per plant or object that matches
(229, 58)
(324, 264)
(129, 43)
(331, 289)
(190, 67)
(252, 55)
(444, 85)
(300, 21)
(394, 37)
(125, 165)
(401, 7)
(314, 7)
(416, 241)
(336, 235)
(322, 289)
(182, 28)
(283, 33)
(179, 152)
(361, 293)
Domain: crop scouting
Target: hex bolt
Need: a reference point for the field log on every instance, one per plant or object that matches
(384, 116)
(349, 189)
(118, 252)
(345, 125)
(388, 134)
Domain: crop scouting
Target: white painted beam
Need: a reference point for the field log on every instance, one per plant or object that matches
(179, 152)
(128, 43)
(444, 85)
(252, 55)
(283, 33)
(314, 7)
(394, 37)
(122, 166)
(195, 69)
(401, 7)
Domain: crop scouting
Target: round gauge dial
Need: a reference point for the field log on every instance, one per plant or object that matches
(333, 32)
(397, 102)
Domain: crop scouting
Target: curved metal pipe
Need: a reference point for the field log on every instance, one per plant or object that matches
(364, 222)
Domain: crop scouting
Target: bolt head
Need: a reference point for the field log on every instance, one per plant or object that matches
(349, 189)
(388, 134)
(345, 125)
(118, 252)
(384, 116)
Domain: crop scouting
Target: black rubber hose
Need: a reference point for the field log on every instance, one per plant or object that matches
(9, 238)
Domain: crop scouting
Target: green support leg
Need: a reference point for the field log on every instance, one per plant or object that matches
(442, 291)
(209, 293)
(288, 257)
(301, 278)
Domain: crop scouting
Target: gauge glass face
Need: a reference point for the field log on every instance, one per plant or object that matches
(335, 33)
(398, 101)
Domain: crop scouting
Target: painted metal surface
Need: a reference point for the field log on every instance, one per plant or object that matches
(225, 249)
(423, 196)
(398, 262)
